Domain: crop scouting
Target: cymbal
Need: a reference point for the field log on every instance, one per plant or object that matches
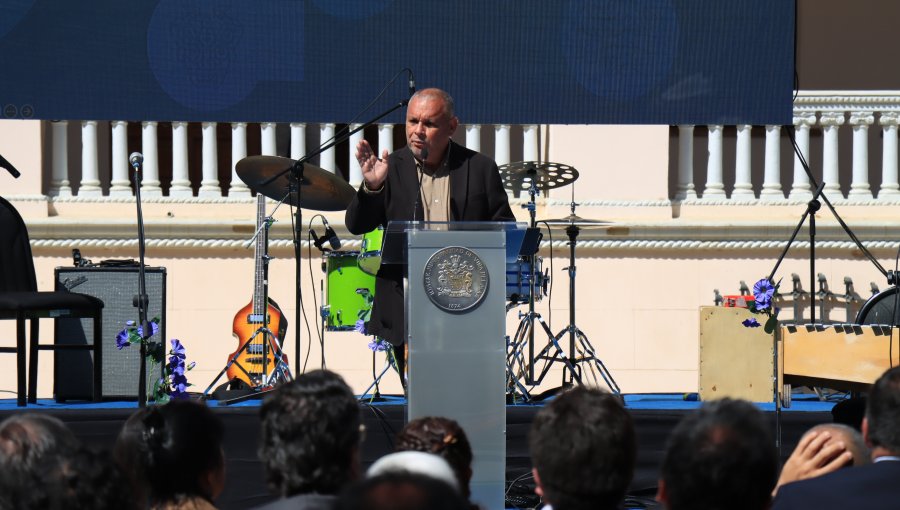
(575, 220)
(518, 176)
(320, 189)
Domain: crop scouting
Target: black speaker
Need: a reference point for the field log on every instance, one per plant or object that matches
(116, 287)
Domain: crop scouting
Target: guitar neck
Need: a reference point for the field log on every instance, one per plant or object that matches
(259, 280)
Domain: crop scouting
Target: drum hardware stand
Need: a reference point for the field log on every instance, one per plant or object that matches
(280, 372)
(376, 397)
(537, 176)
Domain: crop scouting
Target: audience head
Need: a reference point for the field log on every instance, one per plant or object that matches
(127, 453)
(443, 437)
(583, 450)
(721, 456)
(851, 438)
(881, 426)
(850, 412)
(181, 452)
(29, 445)
(420, 463)
(311, 431)
(402, 490)
(84, 478)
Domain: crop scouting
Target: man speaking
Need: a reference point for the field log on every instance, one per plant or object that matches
(431, 179)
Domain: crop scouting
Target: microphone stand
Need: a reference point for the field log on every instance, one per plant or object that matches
(141, 300)
(297, 179)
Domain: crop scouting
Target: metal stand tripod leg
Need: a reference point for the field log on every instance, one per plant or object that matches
(526, 328)
(387, 366)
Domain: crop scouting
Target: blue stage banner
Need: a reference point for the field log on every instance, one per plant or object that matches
(504, 61)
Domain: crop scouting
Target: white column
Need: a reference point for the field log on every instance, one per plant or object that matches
(743, 186)
(326, 159)
(800, 188)
(209, 185)
(355, 172)
(715, 188)
(473, 137)
(59, 182)
(531, 142)
(298, 140)
(385, 138)
(181, 179)
(267, 138)
(237, 188)
(501, 144)
(831, 122)
(119, 184)
(860, 122)
(150, 185)
(685, 188)
(889, 185)
(771, 189)
(90, 168)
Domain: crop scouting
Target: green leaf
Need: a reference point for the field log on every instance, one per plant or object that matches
(771, 325)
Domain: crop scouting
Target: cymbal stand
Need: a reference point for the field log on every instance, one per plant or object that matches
(525, 331)
(578, 341)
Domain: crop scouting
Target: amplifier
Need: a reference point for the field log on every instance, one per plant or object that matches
(116, 287)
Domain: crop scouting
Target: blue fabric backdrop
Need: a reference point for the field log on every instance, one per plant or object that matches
(504, 61)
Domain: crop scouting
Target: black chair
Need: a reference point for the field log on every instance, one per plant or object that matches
(20, 300)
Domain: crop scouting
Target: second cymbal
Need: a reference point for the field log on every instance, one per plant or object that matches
(520, 175)
(320, 190)
(576, 221)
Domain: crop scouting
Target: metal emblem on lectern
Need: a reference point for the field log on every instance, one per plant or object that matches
(456, 279)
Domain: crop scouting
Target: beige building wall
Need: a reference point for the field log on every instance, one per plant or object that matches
(637, 304)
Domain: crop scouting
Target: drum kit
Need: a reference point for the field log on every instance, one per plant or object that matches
(350, 275)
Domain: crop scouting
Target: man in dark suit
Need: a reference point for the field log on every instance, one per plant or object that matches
(873, 486)
(431, 179)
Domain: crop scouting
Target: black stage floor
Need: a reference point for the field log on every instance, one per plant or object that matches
(245, 487)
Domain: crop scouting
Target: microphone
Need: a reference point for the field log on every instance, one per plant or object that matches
(136, 159)
(412, 84)
(331, 236)
(8, 166)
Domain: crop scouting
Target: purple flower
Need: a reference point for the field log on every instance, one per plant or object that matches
(762, 293)
(177, 349)
(360, 327)
(154, 329)
(378, 345)
(122, 340)
(751, 323)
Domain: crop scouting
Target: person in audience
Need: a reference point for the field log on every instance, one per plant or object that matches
(823, 449)
(873, 486)
(83, 479)
(127, 454)
(181, 456)
(420, 463)
(402, 490)
(29, 444)
(443, 437)
(583, 450)
(721, 456)
(311, 435)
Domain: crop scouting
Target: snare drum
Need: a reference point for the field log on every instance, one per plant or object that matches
(518, 280)
(348, 290)
(370, 255)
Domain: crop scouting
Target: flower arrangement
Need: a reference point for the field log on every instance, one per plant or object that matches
(173, 382)
(763, 293)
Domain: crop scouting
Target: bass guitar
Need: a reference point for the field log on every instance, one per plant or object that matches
(260, 325)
